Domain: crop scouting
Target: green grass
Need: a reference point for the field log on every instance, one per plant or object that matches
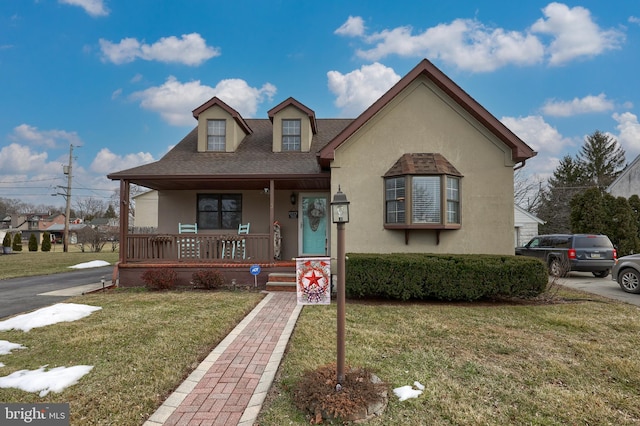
(573, 363)
(30, 263)
(142, 346)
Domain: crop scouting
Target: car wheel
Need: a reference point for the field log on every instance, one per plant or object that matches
(629, 281)
(556, 268)
(601, 274)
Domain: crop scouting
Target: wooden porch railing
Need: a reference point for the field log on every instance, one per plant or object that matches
(204, 247)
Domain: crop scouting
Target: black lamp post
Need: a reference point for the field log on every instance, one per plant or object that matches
(340, 215)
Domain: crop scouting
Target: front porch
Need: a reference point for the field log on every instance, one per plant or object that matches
(231, 255)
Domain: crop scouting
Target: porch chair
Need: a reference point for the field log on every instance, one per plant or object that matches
(188, 247)
(242, 243)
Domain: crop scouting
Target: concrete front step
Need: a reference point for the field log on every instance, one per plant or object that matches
(281, 281)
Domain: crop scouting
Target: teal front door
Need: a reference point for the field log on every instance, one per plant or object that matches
(314, 212)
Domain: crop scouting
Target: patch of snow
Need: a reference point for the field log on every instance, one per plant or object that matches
(60, 312)
(92, 264)
(406, 392)
(55, 380)
(6, 347)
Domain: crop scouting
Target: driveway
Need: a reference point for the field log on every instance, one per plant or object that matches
(18, 295)
(606, 287)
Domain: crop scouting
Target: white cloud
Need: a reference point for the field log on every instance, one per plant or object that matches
(190, 49)
(575, 33)
(466, 43)
(353, 27)
(544, 139)
(586, 105)
(92, 7)
(19, 159)
(537, 133)
(107, 162)
(634, 19)
(358, 89)
(25, 133)
(474, 46)
(629, 137)
(175, 100)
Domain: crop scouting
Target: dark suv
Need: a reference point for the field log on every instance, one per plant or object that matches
(572, 252)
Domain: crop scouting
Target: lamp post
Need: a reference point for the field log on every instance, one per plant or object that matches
(340, 215)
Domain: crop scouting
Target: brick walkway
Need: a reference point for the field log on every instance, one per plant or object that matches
(230, 385)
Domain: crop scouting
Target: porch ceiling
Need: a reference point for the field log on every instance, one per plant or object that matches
(306, 182)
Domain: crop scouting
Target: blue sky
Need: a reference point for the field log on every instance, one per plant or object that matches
(118, 79)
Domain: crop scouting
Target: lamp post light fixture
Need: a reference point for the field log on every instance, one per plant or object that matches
(340, 215)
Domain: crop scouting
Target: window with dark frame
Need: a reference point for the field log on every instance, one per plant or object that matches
(219, 211)
(291, 135)
(216, 135)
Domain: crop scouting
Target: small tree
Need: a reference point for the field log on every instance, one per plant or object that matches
(33, 243)
(46, 242)
(17, 242)
(6, 242)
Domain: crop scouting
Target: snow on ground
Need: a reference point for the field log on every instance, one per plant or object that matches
(92, 264)
(6, 347)
(60, 312)
(406, 392)
(41, 380)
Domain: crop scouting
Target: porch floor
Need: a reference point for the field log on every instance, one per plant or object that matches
(230, 385)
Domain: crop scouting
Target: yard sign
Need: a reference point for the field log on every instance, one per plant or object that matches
(313, 280)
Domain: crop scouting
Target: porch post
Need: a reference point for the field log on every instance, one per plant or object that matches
(124, 217)
(272, 218)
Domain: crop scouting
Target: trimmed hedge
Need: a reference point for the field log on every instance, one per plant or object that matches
(449, 277)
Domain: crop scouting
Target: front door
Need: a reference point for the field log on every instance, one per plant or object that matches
(314, 213)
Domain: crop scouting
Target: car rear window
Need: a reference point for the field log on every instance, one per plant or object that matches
(592, 241)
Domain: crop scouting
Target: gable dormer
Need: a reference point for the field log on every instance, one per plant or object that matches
(220, 127)
(293, 126)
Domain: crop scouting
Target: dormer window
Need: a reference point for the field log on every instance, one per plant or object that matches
(216, 135)
(291, 133)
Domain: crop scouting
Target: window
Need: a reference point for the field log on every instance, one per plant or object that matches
(216, 135)
(434, 201)
(394, 199)
(291, 135)
(219, 211)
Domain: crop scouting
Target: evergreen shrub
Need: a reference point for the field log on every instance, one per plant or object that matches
(17, 242)
(452, 277)
(33, 243)
(46, 242)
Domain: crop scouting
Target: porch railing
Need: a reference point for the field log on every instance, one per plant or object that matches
(204, 247)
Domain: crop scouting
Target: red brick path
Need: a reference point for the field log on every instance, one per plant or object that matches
(228, 388)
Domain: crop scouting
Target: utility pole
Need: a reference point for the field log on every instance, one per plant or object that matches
(67, 171)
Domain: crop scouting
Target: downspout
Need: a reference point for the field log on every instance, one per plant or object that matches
(522, 163)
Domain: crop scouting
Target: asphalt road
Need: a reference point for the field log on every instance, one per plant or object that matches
(19, 295)
(606, 287)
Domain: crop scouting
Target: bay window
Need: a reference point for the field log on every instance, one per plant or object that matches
(422, 191)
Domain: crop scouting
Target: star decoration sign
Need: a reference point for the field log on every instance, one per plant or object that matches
(313, 280)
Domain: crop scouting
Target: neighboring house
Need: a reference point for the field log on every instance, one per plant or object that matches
(146, 210)
(425, 168)
(526, 226)
(36, 224)
(57, 232)
(628, 182)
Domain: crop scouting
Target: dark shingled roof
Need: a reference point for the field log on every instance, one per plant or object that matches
(252, 159)
(422, 164)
